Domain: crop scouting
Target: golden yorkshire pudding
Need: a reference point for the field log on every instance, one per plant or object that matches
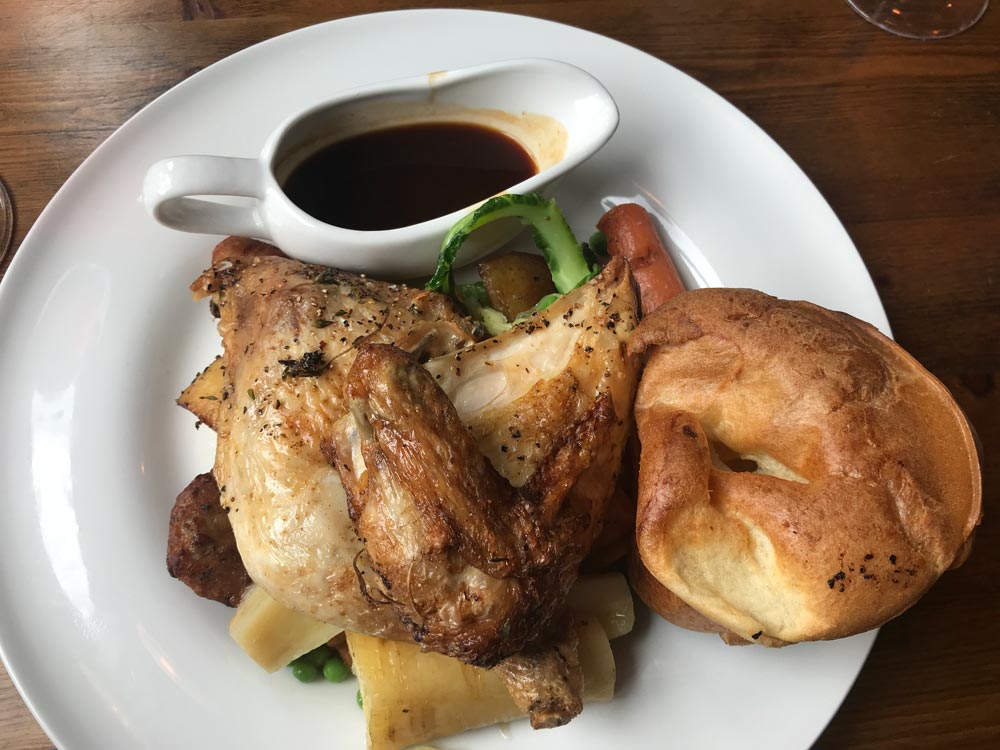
(801, 476)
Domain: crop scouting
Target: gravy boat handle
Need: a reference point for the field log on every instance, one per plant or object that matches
(170, 185)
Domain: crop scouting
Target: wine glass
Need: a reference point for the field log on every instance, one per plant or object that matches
(6, 221)
(921, 19)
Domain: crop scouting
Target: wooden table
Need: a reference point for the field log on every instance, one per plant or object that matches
(900, 136)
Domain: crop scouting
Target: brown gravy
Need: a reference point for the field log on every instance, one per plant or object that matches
(403, 175)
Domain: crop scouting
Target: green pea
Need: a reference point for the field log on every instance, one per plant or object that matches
(360, 702)
(304, 671)
(318, 656)
(335, 670)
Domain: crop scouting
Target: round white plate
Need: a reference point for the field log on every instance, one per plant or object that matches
(98, 335)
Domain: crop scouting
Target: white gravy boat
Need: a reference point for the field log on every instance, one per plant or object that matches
(559, 114)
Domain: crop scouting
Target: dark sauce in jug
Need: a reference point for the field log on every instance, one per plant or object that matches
(403, 175)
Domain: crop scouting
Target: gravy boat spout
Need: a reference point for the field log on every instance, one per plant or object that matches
(559, 114)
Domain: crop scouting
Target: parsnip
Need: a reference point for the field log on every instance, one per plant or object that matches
(410, 697)
(273, 635)
(597, 662)
(203, 397)
(607, 597)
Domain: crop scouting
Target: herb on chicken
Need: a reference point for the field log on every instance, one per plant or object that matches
(309, 365)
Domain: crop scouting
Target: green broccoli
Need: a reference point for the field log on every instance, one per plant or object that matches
(552, 235)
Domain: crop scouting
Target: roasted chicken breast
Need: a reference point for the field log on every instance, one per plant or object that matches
(289, 334)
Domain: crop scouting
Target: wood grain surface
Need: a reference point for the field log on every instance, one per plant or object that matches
(901, 137)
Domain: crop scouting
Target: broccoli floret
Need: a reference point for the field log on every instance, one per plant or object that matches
(552, 235)
(477, 302)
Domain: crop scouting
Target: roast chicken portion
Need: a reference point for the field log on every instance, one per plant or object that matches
(506, 450)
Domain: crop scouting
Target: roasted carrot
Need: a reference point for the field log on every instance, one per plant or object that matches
(630, 233)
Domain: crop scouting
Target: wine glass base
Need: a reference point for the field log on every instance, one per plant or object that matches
(6, 221)
(921, 19)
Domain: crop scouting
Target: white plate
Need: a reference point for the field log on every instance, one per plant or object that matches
(97, 336)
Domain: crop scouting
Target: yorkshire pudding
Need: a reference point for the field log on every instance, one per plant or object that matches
(801, 476)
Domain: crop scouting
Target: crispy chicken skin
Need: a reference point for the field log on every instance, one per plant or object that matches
(289, 334)
(480, 482)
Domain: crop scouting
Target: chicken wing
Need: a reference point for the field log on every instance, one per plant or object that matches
(472, 566)
(476, 523)
(546, 678)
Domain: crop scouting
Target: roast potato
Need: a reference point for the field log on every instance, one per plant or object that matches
(515, 282)
(203, 396)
